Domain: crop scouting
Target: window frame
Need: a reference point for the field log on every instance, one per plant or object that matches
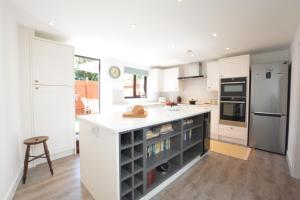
(134, 95)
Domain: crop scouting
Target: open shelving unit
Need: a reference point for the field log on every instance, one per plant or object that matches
(132, 164)
(140, 171)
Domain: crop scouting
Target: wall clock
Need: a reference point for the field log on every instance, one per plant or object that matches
(114, 72)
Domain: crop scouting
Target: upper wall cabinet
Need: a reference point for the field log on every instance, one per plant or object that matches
(170, 79)
(155, 80)
(51, 63)
(213, 76)
(235, 66)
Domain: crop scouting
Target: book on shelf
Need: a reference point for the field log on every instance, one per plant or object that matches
(187, 135)
(158, 147)
(157, 131)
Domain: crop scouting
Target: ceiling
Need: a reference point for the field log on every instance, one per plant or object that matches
(164, 29)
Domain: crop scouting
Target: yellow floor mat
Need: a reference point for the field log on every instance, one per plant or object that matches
(228, 149)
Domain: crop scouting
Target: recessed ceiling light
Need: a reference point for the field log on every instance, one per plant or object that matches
(133, 25)
(227, 48)
(180, 0)
(192, 55)
(51, 23)
(215, 35)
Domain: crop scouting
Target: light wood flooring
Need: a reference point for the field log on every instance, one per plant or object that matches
(264, 176)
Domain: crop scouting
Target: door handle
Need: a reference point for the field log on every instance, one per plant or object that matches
(36, 81)
(268, 114)
(233, 102)
(36, 88)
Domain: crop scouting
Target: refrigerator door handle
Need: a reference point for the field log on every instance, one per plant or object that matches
(269, 114)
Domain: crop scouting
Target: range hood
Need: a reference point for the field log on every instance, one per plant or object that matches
(191, 70)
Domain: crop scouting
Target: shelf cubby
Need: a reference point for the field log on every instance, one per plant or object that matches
(192, 153)
(127, 196)
(126, 171)
(138, 192)
(138, 165)
(126, 155)
(138, 179)
(192, 137)
(163, 137)
(166, 154)
(174, 166)
(138, 151)
(197, 121)
(126, 140)
(138, 136)
(126, 186)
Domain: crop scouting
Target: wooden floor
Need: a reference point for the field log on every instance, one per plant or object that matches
(264, 176)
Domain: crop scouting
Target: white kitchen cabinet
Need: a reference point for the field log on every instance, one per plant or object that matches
(170, 79)
(213, 76)
(190, 69)
(155, 80)
(48, 86)
(235, 66)
(214, 125)
(52, 63)
(54, 116)
(233, 134)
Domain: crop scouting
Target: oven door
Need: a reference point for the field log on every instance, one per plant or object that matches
(233, 111)
(234, 89)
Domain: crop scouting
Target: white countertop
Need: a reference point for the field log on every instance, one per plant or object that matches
(115, 122)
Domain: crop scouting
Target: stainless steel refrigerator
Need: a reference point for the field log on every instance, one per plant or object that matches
(269, 107)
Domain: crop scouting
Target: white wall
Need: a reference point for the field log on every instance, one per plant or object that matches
(111, 90)
(195, 89)
(293, 154)
(11, 141)
(271, 56)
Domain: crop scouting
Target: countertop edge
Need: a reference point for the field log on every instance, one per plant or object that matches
(138, 127)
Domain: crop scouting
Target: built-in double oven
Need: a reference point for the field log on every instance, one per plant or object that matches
(233, 101)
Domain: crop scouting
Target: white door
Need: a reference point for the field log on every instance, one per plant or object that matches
(52, 63)
(214, 128)
(213, 76)
(54, 116)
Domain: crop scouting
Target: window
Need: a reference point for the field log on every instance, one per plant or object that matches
(135, 83)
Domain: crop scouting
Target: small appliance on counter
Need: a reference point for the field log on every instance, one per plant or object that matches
(179, 99)
(192, 102)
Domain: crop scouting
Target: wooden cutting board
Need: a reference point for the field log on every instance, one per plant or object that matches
(132, 115)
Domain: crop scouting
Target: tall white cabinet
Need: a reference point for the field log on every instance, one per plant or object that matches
(49, 88)
(213, 76)
(52, 63)
(238, 66)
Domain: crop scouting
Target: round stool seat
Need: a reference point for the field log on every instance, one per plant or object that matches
(36, 140)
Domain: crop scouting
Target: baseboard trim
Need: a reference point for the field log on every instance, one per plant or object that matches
(291, 168)
(14, 185)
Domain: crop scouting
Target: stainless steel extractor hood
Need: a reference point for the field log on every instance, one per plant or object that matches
(191, 70)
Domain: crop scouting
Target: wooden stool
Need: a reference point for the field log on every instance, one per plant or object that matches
(34, 141)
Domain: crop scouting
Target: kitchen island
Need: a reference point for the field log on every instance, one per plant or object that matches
(135, 158)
